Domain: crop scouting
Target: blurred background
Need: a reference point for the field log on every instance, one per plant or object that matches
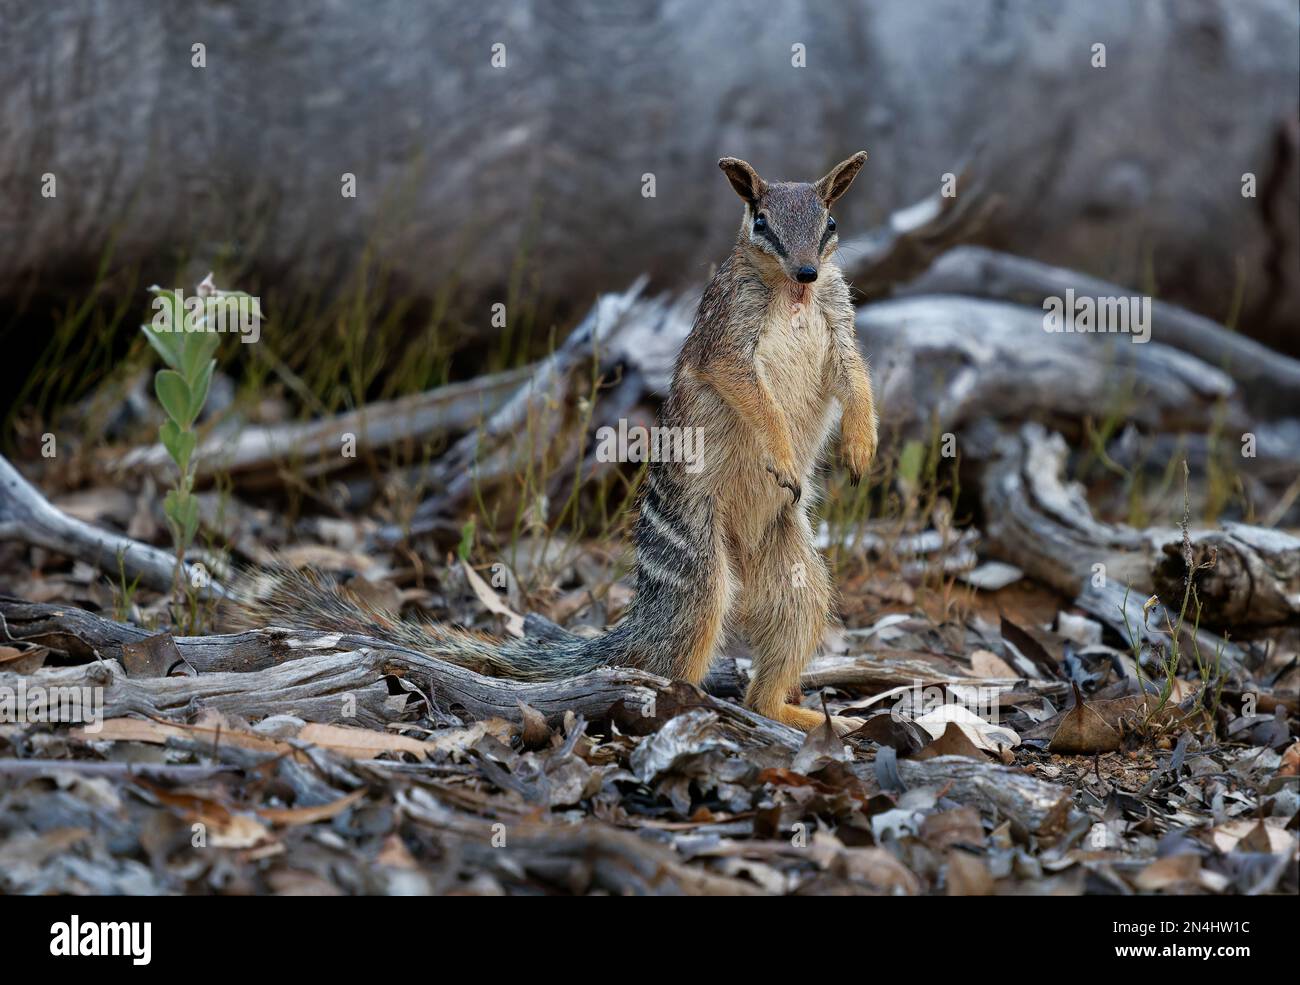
(501, 153)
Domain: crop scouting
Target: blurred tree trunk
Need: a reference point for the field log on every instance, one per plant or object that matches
(464, 171)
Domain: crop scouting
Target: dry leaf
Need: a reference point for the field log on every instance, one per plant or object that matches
(28, 661)
(955, 741)
(1290, 765)
(987, 664)
(1267, 835)
(983, 735)
(968, 875)
(289, 816)
(959, 826)
(360, 743)
(492, 602)
(148, 730)
(536, 734)
(1083, 731)
(1169, 871)
(154, 656)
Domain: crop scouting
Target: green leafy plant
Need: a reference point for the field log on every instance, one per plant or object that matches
(187, 348)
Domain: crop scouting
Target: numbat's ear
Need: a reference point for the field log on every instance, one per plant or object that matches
(837, 182)
(743, 178)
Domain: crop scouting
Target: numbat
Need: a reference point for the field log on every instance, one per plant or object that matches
(724, 543)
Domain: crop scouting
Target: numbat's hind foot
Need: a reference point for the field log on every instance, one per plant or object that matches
(807, 719)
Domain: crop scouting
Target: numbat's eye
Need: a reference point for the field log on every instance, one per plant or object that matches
(760, 224)
(830, 223)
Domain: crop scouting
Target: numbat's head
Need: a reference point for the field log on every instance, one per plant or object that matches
(788, 224)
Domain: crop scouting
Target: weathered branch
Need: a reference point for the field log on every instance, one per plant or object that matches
(906, 244)
(1036, 807)
(1244, 576)
(943, 362)
(1034, 520)
(254, 456)
(1039, 523)
(1269, 381)
(27, 516)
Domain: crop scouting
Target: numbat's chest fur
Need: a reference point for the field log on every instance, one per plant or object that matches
(794, 354)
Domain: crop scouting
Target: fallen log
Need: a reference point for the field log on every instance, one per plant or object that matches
(941, 362)
(282, 671)
(1243, 576)
(1146, 631)
(27, 516)
(1037, 522)
(1034, 806)
(1269, 381)
(255, 456)
(85, 635)
(522, 165)
(910, 239)
(938, 362)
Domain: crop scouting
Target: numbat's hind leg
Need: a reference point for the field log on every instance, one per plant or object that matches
(785, 609)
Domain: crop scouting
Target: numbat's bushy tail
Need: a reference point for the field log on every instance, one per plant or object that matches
(722, 540)
(308, 599)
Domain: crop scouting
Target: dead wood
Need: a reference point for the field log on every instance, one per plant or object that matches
(879, 672)
(1269, 381)
(1051, 138)
(942, 362)
(1034, 806)
(909, 240)
(1148, 629)
(27, 516)
(278, 671)
(937, 361)
(1038, 522)
(254, 457)
(1244, 576)
(310, 675)
(86, 635)
(176, 772)
(1041, 524)
(542, 417)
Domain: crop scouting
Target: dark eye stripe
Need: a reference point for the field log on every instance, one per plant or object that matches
(772, 238)
(826, 238)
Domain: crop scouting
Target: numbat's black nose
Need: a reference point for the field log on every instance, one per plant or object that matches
(806, 275)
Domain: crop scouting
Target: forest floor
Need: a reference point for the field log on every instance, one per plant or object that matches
(1011, 745)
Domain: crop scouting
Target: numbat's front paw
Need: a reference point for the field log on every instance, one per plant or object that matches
(785, 478)
(859, 447)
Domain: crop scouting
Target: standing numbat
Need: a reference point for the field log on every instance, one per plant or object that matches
(728, 546)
